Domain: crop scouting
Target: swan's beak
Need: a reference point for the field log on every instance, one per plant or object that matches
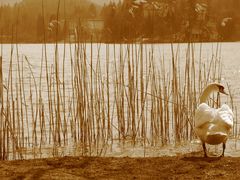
(224, 92)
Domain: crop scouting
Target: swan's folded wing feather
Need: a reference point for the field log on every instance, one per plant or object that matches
(224, 116)
(204, 114)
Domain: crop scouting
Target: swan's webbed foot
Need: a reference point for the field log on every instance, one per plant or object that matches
(204, 149)
(224, 146)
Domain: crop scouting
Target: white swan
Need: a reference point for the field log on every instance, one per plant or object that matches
(212, 125)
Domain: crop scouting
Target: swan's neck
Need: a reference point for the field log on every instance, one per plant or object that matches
(206, 93)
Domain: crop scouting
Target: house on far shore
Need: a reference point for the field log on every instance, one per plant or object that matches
(5, 38)
(196, 34)
(212, 28)
(95, 28)
(86, 29)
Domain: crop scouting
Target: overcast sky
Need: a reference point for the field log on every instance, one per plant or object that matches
(8, 1)
(96, 1)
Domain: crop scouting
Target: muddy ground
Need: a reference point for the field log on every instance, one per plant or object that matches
(181, 167)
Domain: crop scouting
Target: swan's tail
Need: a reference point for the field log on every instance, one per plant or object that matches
(216, 138)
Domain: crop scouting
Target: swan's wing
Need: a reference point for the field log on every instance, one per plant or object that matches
(224, 116)
(204, 114)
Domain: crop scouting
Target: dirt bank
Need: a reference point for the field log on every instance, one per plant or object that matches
(182, 167)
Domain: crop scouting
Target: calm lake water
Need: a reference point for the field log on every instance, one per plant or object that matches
(31, 58)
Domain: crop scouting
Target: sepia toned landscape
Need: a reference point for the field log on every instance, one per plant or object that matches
(119, 89)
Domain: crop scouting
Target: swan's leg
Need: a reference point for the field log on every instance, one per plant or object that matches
(224, 146)
(204, 149)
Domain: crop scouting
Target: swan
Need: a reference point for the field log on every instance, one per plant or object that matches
(212, 125)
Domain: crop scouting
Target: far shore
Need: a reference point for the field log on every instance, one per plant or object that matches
(118, 42)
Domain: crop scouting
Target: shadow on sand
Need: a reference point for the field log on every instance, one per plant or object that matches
(198, 156)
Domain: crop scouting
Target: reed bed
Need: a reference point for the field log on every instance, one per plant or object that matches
(91, 101)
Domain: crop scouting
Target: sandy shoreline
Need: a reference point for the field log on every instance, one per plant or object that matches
(122, 168)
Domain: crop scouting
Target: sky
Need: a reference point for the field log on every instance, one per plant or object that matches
(101, 2)
(8, 1)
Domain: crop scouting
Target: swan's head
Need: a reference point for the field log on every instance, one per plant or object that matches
(214, 87)
(220, 88)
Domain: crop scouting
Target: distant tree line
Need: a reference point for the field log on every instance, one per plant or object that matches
(172, 20)
(124, 21)
(32, 20)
